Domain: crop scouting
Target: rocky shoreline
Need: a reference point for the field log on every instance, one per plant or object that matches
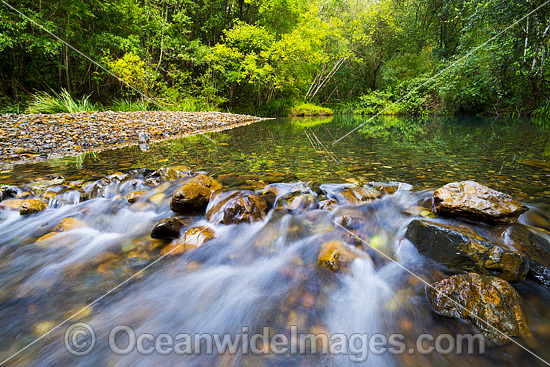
(41, 136)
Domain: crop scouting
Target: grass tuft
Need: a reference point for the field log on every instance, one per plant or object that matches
(127, 105)
(543, 111)
(63, 102)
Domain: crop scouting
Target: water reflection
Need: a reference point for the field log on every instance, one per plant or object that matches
(423, 152)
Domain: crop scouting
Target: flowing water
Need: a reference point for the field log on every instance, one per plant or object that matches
(265, 274)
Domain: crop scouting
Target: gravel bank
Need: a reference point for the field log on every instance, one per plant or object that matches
(28, 137)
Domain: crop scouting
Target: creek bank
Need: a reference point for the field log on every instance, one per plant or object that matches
(40, 136)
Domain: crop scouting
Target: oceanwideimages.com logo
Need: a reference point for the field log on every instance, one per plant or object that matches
(80, 340)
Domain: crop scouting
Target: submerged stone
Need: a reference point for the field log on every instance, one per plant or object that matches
(489, 303)
(533, 242)
(235, 207)
(174, 172)
(194, 194)
(135, 196)
(335, 256)
(39, 186)
(69, 223)
(198, 236)
(461, 249)
(352, 194)
(328, 204)
(471, 200)
(31, 206)
(11, 204)
(167, 228)
(193, 239)
(296, 202)
(7, 192)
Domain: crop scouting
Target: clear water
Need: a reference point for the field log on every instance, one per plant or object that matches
(426, 153)
(264, 274)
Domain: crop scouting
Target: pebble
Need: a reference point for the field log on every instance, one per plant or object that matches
(26, 137)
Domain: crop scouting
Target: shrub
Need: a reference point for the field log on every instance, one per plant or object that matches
(309, 109)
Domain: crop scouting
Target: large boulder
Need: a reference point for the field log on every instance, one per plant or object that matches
(461, 249)
(233, 207)
(194, 194)
(489, 303)
(533, 242)
(471, 200)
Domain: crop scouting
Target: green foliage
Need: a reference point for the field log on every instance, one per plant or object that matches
(132, 70)
(344, 108)
(63, 102)
(12, 108)
(376, 102)
(275, 108)
(259, 55)
(193, 104)
(82, 157)
(128, 105)
(309, 109)
(542, 112)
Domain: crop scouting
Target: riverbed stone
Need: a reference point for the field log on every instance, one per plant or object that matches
(351, 194)
(486, 298)
(233, 207)
(174, 172)
(11, 204)
(198, 236)
(533, 242)
(31, 206)
(328, 204)
(335, 256)
(194, 194)
(39, 186)
(471, 200)
(117, 176)
(135, 196)
(296, 202)
(460, 249)
(193, 239)
(69, 223)
(7, 192)
(167, 228)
